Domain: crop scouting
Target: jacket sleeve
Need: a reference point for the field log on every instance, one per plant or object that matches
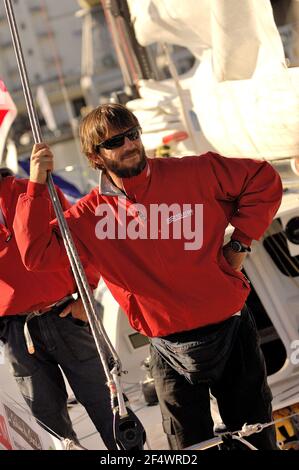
(254, 187)
(93, 277)
(38, 237)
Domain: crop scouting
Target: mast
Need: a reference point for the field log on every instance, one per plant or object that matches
(135, 61)
(139, 59)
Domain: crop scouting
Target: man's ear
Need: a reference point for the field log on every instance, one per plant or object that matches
(96, 160)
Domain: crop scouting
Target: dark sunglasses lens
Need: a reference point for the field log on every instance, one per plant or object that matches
(119, 140)
(114, 142)
(133, 134)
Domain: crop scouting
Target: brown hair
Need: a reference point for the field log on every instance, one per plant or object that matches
(95, 127)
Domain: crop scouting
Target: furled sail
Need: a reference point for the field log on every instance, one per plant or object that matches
(244, 95)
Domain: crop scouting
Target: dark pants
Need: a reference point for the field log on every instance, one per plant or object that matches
(67, 343)
(225, 359)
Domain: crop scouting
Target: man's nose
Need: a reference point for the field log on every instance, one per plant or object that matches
(128, 142)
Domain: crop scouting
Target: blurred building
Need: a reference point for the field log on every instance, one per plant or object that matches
(51, 36)
(54, 34)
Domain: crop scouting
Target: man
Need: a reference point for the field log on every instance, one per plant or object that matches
(154, 229)
(40, 336)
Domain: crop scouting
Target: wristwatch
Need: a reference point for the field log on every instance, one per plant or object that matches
(238, 247)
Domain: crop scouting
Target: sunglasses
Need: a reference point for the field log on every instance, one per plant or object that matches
(119, 139)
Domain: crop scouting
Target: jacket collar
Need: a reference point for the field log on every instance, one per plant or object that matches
(106, 187)
(130, 185)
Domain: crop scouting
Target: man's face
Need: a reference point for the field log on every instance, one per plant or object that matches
(126, 160)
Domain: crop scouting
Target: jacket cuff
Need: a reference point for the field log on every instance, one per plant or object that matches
(35, 189)
(241, 237)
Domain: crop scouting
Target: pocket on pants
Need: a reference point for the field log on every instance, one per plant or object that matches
(26, 387)
(168, 428)
(175, 436)
(197, 360)
(77, 338)
(44, 393)
(167, 425)
(204, 357)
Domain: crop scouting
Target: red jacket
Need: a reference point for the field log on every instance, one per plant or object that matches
(162, 286)
(21, 290)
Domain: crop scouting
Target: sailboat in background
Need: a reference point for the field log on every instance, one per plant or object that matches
(240, 99)
(243, 93)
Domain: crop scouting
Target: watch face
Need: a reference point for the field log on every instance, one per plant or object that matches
(236, 246)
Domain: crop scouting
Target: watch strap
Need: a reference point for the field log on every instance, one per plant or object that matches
(238, 247)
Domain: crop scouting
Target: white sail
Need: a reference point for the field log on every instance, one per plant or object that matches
(244, 95)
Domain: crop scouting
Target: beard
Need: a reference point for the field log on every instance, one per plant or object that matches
(121, 170)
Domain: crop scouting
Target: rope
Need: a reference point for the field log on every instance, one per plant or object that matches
(84, 289)
(246, 443)
(247, 430)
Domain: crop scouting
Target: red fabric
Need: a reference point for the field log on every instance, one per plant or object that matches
(4, 436)
(22, 290)
(162, 287)
(3, 113)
